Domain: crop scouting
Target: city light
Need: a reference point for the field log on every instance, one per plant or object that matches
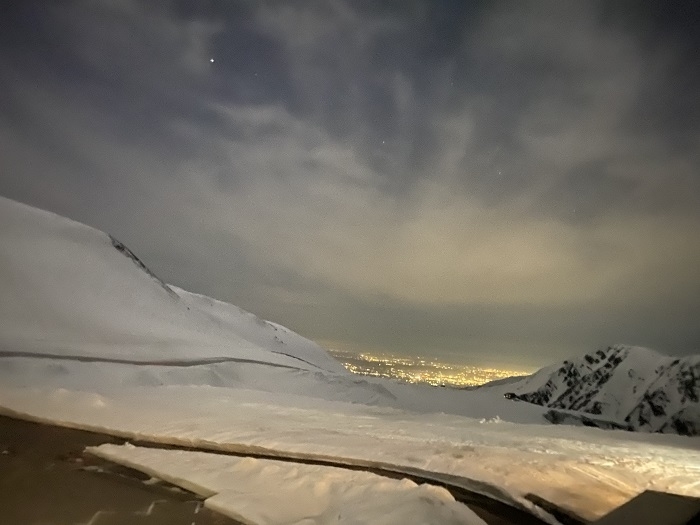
(420, 369)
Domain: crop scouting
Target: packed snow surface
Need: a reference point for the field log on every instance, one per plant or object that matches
(90, 338)
(269, 492)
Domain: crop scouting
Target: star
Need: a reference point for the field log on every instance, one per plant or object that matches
(211, 60)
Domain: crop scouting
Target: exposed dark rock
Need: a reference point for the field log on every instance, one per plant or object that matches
(120, 247)
(651, 392)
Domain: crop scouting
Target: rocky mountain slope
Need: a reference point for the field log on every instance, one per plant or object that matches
(619, 387)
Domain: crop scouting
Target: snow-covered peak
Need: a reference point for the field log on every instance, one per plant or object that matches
(633, 386)
(69, 289)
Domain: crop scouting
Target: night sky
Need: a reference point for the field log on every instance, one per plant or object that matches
(500, 183)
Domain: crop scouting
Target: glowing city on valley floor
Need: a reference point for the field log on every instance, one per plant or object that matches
(420, 370)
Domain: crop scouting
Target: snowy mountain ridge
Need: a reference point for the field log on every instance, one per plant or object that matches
(634, 387)
(70, 289)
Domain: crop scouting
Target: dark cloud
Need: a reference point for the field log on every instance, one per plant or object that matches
(485, 179)
(587, 191)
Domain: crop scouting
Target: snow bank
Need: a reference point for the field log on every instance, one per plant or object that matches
(268, 492)
(587, 471)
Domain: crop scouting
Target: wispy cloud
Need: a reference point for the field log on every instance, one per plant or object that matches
(486, 177)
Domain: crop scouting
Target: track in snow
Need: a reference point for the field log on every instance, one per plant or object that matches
(163, 362)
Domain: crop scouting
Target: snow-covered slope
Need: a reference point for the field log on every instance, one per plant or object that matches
(90, 338)
(272, 336)
(70, 290)
(241, 488)
(633, 387)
